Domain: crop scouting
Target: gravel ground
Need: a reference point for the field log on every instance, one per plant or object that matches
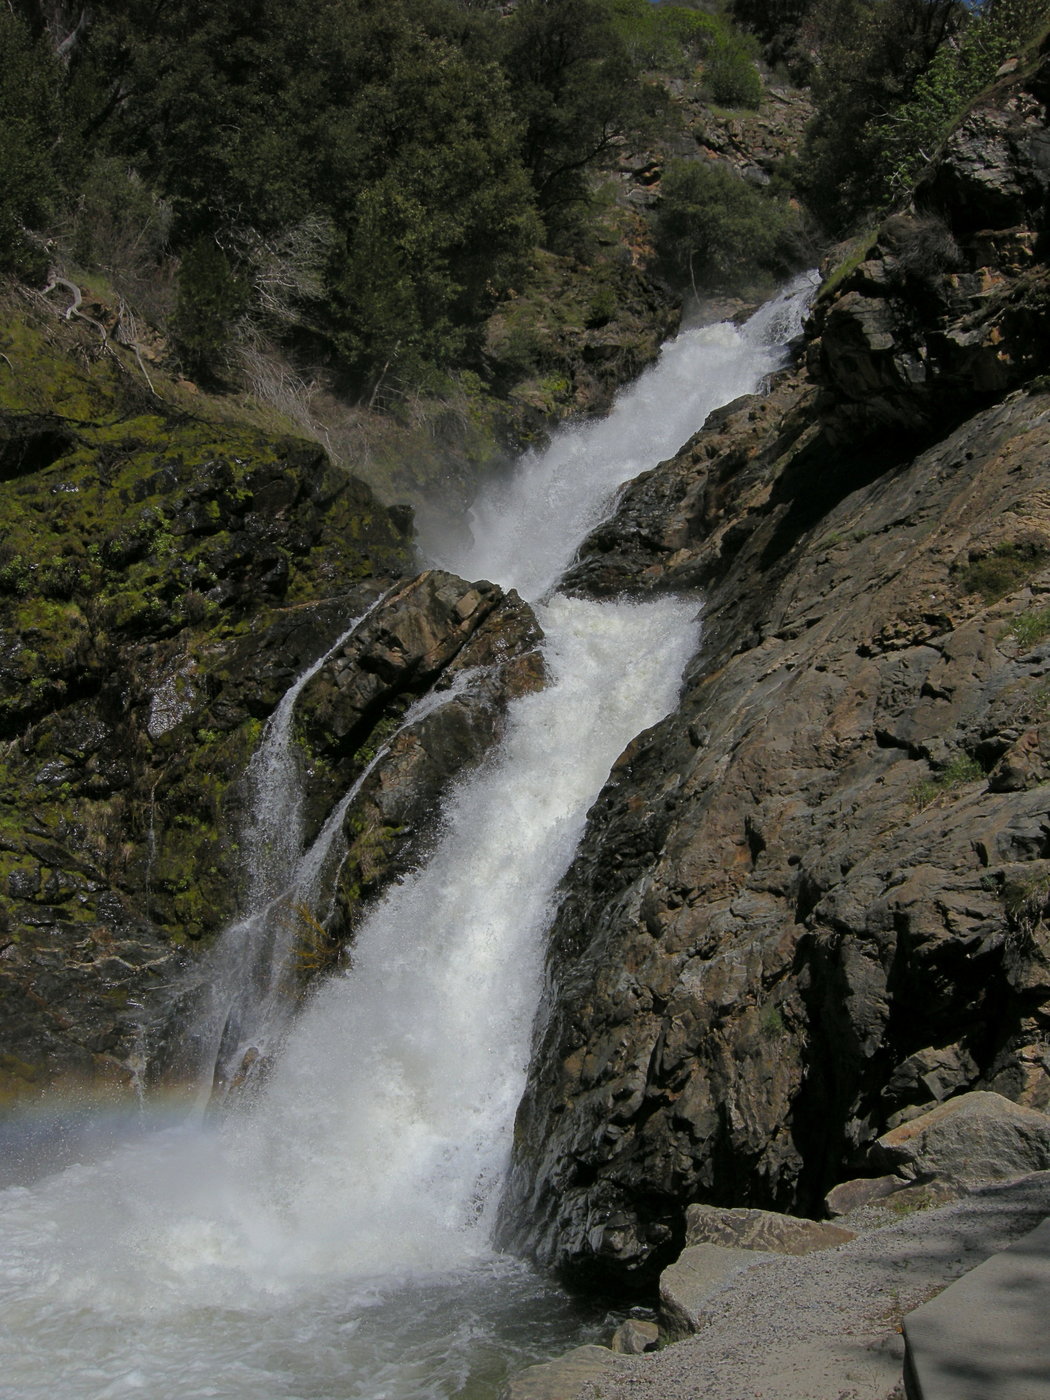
(827, 1326)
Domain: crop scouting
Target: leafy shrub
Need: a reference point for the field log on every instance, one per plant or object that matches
(1004, 569)
(577, 90)
(730, 74)
(669, 37)
(909, 136)
(119, 224)
(891, 80)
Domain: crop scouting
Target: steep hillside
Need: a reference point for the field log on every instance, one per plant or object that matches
(813, 902)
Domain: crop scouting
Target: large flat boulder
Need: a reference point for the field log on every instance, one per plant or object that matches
(699, 1272)
(741, 1228)
(564, 1377)
(973, 1138)
(985, 1336)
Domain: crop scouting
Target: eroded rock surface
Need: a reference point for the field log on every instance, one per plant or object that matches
(741, 1228)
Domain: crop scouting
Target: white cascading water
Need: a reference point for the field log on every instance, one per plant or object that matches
(244, 984)
(241, 978)
(330, 1237)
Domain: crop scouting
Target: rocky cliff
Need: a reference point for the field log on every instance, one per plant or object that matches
(812, 903)
(165, 574)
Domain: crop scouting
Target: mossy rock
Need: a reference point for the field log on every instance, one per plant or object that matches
(163, 578)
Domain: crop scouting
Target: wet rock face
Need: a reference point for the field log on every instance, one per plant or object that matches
(814, 902)
(469, 649)
(152, 612)
(809, 900)
(96, 925)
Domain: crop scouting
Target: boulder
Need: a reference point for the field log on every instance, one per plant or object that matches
(634, 1337)
(861, 1191)
(973, 1138)
(699, 1272)
(741, 1228)
(931, 1075)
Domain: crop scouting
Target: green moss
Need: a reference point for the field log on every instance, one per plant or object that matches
(383, 731)
(107, 558)
(42, 376)
(771, 1023)
(859, 252)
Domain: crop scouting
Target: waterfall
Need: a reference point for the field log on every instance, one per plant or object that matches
(525, 529)
(248, 1256)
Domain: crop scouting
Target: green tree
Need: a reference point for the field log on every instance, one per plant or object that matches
(871, 55)
(210, 298)
(29, 129)
(730, 74)
(714, 229)
(574, 84)
(444, 218)
(907, 137)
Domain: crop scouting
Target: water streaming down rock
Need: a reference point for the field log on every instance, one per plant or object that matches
(525, 530)
(246, 1259)
(242, 977)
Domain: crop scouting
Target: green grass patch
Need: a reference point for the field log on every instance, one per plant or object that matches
(1026, 899)
(960, 771)
(1031, 627)
(992, 576)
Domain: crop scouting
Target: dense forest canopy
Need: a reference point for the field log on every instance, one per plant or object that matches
(365, 180)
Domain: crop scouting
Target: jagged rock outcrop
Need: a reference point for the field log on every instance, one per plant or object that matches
(470, 649)
(948, 308)
(814, 900)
